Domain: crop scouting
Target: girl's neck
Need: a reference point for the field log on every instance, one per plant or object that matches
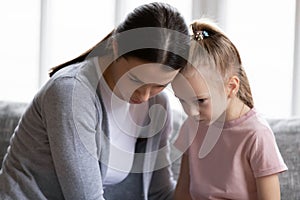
(236, 109)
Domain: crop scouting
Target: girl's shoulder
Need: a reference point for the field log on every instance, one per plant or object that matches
(258, 122)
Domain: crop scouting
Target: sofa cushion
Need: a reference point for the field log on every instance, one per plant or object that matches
(287, 133)
(10, 113)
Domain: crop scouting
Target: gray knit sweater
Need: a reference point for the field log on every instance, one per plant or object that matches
(60, 148)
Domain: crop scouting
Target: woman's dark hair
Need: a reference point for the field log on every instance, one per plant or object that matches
(170, 36)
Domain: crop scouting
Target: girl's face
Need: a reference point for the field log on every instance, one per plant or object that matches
(135, 80)
(200, 97)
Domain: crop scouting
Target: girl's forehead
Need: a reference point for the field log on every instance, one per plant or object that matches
(205, 73)
(194, 82)
(189, 86)
(191, 73)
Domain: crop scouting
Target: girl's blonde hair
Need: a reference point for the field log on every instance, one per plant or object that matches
(213, 48)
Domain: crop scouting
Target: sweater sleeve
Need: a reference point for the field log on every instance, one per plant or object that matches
(71, 120)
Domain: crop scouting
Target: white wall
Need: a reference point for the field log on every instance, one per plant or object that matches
(19, 49)
(36, 36)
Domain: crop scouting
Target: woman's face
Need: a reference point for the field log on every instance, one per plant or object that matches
(200, 97)
(135, 80)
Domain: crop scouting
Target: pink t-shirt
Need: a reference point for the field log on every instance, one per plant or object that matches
(245, 150)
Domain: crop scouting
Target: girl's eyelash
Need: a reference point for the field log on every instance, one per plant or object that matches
(196, 101)
(201, 100)
(182, 101)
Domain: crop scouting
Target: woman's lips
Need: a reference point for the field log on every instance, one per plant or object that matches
(134, 101)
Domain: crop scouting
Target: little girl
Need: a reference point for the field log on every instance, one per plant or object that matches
(231, 152)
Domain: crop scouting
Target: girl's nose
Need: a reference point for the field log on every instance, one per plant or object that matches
(192, 110)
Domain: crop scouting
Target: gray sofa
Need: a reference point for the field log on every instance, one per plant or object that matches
(287, 133)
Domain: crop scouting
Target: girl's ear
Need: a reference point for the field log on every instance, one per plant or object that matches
(233, 86)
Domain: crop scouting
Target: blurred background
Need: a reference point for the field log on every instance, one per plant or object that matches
(39, 34)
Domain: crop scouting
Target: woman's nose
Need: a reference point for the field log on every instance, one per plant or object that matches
(144, 93)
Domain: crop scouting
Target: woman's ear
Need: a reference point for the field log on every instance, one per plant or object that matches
(233, 86)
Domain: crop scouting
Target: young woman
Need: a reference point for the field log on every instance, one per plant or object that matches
(95, 130)
(231, 151)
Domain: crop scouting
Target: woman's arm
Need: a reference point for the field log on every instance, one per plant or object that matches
(182, 190)
(70, 116)
(268, 187)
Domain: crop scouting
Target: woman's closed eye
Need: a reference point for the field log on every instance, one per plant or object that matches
(134, 79)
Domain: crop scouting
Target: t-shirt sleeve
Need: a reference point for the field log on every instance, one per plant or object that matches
(70, 115)
(265, 158)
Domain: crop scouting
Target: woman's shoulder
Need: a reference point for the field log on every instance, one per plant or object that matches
(76, 80)
(82, 73)
(84, 70)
